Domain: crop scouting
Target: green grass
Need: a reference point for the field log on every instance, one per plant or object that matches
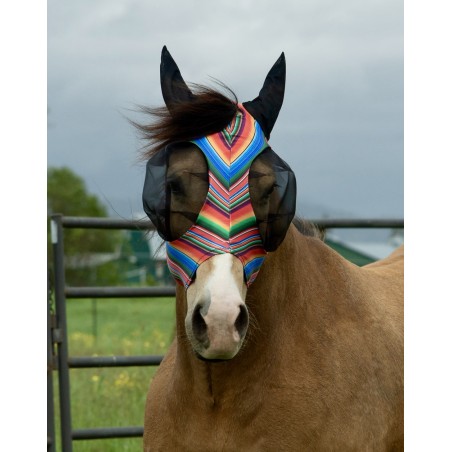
(114, 397)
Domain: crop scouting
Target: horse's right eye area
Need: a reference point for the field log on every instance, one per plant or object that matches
(187, 184)
(175, 187)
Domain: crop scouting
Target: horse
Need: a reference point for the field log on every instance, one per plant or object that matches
(281, 344)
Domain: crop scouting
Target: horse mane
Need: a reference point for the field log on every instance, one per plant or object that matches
(305, 227)
(208, 112)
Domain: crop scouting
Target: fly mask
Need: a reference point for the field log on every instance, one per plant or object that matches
(233, 219)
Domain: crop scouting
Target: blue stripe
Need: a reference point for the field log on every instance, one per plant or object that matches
(250, 238)
(239, 193)
(246, 158)
(181, 259)
(253, 266)
(216, 164)
(225, 200)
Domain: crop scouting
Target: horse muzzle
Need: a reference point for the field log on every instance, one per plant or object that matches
(217, 317)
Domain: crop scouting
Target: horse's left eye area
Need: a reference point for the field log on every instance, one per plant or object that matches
(262, 183)
(273, 192)
(269, 191)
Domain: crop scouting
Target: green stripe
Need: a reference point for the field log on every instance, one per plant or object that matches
(244, 224)
(240, 200)
(230, 136)
(200, 244)
(238, 123)
(236, 176)
(212, 226)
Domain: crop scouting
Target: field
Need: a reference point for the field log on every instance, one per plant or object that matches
(114, 397)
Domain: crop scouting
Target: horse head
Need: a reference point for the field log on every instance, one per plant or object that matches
(222, 199)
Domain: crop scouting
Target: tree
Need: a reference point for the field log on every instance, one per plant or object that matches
(67, 194)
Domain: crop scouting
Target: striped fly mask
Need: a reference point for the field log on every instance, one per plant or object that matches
(227, 192)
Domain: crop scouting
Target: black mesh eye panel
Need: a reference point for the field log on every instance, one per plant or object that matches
(175, 189)
(273, 193)
(154, 201)
(176, 186)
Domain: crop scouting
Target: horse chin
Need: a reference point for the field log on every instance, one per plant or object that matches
(215, 357)
(211, 360)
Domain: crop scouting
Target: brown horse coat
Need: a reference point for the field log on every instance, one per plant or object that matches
(321, 368)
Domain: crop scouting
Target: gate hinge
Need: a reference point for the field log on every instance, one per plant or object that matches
(56, 332)
(56, 336)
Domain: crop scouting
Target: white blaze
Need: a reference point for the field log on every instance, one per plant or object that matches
(220, 289)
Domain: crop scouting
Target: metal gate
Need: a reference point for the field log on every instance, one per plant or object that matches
(57, 340)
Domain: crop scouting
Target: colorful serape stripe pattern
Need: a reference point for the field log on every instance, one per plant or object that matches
(226, 222)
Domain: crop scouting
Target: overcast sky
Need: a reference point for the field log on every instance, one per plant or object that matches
(341, 124)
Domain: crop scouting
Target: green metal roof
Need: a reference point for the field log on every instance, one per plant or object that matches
(350, 254)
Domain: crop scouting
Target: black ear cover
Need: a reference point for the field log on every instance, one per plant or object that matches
(174, 88)
(265, 107)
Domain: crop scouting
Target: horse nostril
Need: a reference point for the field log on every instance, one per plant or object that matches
(241, 322)
(199, 326)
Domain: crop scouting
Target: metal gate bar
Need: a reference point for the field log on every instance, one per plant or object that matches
(107, 432)
(327, 223)
(107, 223)
(60, 332)
(83, 362)
(50, 366)
(146, 225)
(119, 292)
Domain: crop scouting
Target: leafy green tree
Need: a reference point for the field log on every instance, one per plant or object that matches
(67, 194)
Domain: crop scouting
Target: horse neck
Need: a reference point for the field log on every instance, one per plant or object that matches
(297, 286)
(302, 273)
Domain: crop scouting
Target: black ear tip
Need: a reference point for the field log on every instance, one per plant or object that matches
(280, 66)
(167, 62)
(281, 60)
(165, 53)
(174, 89)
